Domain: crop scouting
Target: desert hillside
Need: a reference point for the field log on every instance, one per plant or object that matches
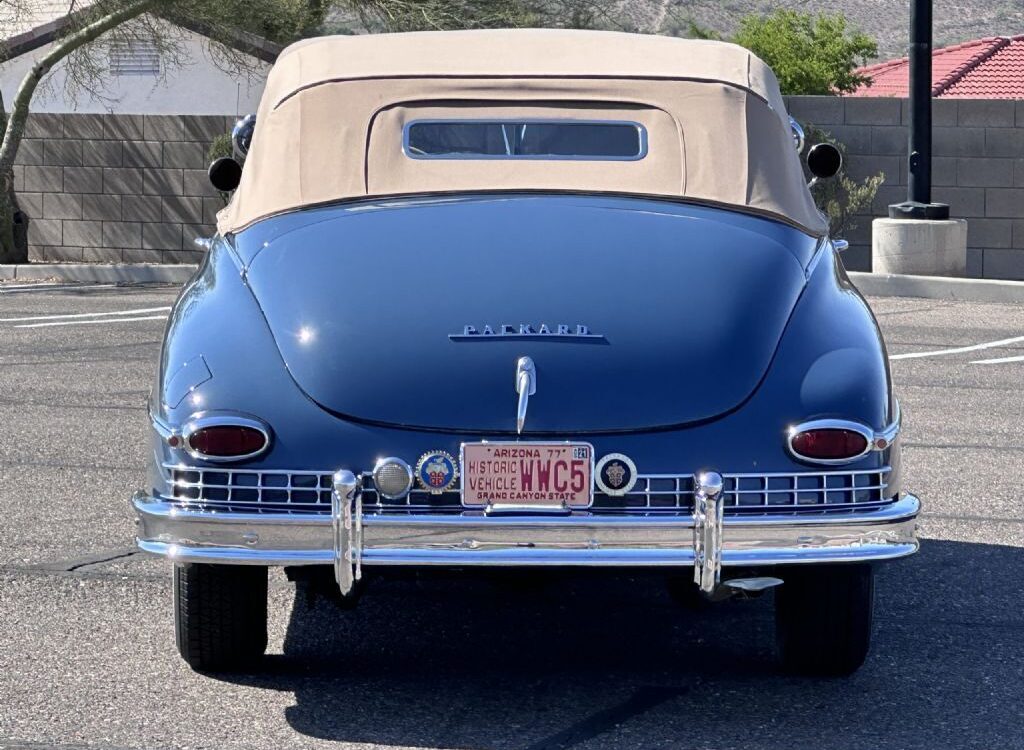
(887, 21)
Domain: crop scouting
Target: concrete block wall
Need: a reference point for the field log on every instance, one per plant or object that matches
(978, 169)
(117, 188)
(133, 188)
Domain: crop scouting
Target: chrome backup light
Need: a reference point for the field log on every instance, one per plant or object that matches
(393, 478)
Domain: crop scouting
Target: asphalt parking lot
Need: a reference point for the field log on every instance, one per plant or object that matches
(86, 637)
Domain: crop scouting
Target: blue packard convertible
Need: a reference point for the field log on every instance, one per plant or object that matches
(524, 298)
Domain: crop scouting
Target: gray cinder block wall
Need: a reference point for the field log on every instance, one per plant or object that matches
(117, 188)
(977, 168)
(133, 188)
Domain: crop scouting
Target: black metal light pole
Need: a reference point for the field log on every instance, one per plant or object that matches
(919, 181)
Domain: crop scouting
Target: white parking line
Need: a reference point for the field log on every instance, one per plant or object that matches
(49, 287)
(86, 322)
(959, 349)
(997, 361)
(139, 311)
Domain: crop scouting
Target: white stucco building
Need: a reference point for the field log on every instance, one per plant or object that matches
(139, 79)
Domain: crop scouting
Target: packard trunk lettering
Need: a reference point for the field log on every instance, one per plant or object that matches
(527, 331)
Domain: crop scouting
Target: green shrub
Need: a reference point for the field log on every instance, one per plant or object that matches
(810, 54)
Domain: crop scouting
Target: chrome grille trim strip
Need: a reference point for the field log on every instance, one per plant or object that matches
(302, 491)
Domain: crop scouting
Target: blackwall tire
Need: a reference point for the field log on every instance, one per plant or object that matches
(220, 615)
(823, 616)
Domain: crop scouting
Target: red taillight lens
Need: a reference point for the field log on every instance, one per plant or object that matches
(224, 441)
(829, 444)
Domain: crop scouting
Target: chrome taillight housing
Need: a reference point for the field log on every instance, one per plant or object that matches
(223, 438)
(839, 441)
(832, 443)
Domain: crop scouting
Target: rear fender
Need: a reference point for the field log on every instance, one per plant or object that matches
(832, 360)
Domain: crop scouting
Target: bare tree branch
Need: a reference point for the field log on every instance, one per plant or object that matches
(14, 127)
(23, 97)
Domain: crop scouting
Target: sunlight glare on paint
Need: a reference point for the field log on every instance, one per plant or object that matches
(306, 335)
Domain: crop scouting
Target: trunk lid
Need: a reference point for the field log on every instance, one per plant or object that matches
(684, 306)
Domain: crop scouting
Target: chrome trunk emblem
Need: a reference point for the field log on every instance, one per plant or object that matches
(526, 386)
(578, 333)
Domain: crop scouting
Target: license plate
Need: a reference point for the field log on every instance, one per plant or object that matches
(527, 476)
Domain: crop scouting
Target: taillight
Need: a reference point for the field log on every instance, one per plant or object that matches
(225, 438)
(829, 444)
(840, 441)
(830, 441)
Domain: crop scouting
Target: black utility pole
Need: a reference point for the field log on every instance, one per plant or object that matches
(919, 181)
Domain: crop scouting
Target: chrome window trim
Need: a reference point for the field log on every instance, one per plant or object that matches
(876, 441)
(202, 420)
(641, 130)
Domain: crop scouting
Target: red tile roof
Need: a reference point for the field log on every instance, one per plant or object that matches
(990, 68)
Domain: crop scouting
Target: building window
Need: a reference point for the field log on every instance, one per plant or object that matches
(135, 58)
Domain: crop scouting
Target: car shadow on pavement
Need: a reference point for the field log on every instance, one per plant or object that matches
(613, 660)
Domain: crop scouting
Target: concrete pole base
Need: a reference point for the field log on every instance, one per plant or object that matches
(919, 246)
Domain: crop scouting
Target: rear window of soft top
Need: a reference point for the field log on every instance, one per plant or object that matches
(597, 140)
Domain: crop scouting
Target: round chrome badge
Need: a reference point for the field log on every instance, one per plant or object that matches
(437, 471)
(615, 474)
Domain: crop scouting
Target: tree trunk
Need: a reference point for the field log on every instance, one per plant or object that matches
(13, 223)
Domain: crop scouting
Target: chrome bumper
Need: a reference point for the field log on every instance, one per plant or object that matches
(348, 539)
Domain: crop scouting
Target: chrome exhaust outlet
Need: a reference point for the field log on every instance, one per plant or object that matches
(754, 586)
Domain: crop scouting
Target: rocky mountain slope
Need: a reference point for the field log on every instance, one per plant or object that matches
(887, 21)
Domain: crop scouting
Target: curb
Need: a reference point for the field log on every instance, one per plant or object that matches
(118, 273)
(939, 287)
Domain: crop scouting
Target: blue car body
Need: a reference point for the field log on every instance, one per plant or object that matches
(568, 312)
(719, 331)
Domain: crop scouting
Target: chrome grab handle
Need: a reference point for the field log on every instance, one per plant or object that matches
(526, 386)
(347, 523)
(707, 531)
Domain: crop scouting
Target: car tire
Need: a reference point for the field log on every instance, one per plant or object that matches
(220, 615)
(823, 617)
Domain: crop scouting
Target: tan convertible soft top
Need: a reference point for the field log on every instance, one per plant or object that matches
(331, 121)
